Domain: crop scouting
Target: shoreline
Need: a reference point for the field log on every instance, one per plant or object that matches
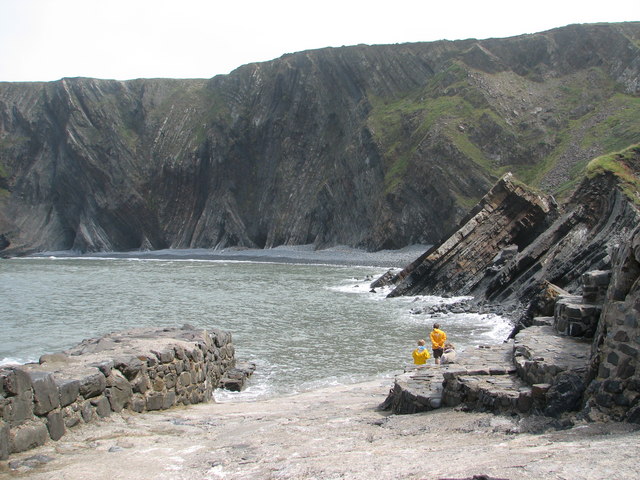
(301, 254)
(334, 432)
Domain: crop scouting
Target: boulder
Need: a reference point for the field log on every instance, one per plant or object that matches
(235, 379)
(55, 424)
(19, 408)
(565, 395)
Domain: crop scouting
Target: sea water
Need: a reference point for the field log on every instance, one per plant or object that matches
(305, 326)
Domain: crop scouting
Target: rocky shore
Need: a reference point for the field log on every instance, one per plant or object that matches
(560, 400)
(327, 434)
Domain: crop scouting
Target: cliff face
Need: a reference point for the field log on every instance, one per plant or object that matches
(516, 241)
(507, 220)
(369, 146)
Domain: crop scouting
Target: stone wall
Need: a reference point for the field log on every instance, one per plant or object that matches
(139, 370)
(614, 391)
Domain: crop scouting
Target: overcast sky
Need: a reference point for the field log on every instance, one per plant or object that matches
(125, 39)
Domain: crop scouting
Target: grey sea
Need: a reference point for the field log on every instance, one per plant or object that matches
(306, 319)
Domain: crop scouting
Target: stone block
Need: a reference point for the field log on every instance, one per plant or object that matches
(621, 400)
(141, 384)
(165, 356)
(525, 400)
(604, 399)
(15, 380)
(561, 324)
(180, 353)
(184, 379)
(621, 336)
(104, 367)
(158, 385)
(169, 400)
(27, 436)
(576, 329)
(154, 401)
(19, 408)
(628, 350)
(539, 391)
(4, 440)
(68, 389)
(53, 358)
(119, 393)
(170, 380)
(603, 371)
(86, 411)
(138, 403)
(130, 367)
(92, 385)
(626, 368)
(45, 392)
(71, 416)
(102, 406)
(149, 361)
(55, 424)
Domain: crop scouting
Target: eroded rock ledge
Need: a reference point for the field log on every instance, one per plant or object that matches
(139, 370)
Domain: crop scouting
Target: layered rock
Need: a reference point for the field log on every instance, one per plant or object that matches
(369, 146)
(584, 357)
(140, 370)
(515, 244)
(507, 220)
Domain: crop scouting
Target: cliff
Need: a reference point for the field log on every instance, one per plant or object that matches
(517, 241)
(368, 146)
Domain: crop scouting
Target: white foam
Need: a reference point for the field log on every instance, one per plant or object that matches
(15, 361)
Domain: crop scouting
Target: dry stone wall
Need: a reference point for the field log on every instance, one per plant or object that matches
(139, 370)
(614, 391)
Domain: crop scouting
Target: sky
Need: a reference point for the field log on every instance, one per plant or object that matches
(45, 40)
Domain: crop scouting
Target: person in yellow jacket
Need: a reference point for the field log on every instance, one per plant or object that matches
(438, 337)
(421, 354)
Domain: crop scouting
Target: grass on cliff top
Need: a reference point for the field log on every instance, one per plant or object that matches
(625, 165)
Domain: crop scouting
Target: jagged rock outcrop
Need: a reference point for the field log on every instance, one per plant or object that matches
(584, 358)
(507, 219)
(558, 248)
(369, 146)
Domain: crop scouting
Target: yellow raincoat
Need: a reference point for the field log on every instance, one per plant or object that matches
(421, 355)
(438, 337)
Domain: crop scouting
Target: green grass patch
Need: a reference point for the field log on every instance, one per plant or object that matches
(624, 165)
(621, 128)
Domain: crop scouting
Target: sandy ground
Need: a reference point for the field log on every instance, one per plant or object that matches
(334, 433)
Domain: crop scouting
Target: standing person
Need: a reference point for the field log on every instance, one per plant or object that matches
(421, 354)
(438, 337)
